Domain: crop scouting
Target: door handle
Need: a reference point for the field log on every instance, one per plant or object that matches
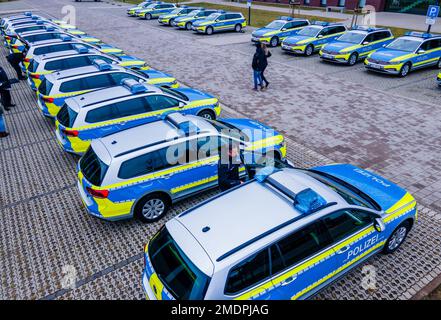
(343, 250)
(288, 281)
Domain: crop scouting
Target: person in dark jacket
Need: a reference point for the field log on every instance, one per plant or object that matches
(228, 169)
(3, 132)
(266, 55)
(5, 87)
(257, 67)
(14, 59)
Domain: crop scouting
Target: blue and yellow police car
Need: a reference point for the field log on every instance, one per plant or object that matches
(278, 30)
(132, 10)
(313, 37)
(220, 21)
(143, 170)
(186, 22)
(413, 51)
(356, 45)
(295, 232)
(167, 19)
(154, 10)
(102, 112)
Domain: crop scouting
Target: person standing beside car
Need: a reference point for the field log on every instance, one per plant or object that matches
(265, 56)
(3, 132)
(257, 67)
(5, 88)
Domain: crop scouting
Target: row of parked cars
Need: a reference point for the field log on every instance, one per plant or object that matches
(284, 233)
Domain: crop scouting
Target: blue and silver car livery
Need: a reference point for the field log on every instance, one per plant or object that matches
(168, 18)
(132, 10)
(103, 112)
(186, 22)
(356, 45)
(294, 232)
(143, 170)
(154, 10)
(414, 51)
(312, 38)
(220, 21)
(278, 30)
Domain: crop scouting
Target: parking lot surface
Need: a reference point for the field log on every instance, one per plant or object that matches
(329, 114)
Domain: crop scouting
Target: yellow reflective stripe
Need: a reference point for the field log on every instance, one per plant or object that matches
(329, 276)
(156, 283)
(63, 95)
(358, 46)
(131, 63)
(160, 80)
(406, 199)
(405, 57)
(426, 61)
(156, 175)
(194, 184)
(268, 142)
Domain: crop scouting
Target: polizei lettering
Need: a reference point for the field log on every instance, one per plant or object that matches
(362, 247)
(372, 177)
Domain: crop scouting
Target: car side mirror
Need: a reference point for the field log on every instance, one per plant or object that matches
(320, 36)
(283, 29)
(379, 225)
(365, 43)
(421, 51)
(384, 45)
(181, 104)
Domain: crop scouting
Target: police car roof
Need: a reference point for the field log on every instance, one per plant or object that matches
(108, 94)
(413, 38)
(70, 73)
(64, 54)
(123, 143)
(249, 212)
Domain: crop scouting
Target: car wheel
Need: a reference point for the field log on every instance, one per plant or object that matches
(152, 208)
(274, 42)
(238, 27)
(353, 58)
(170, 22)
(148, 16)
(209, 30)
(207, 114)
(397, 238)
(188, 26)
(439, 64)
(405, 70)
(309, 50)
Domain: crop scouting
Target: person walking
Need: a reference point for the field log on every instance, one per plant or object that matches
(5, 87)
(257, 67)
(14, 59)
(266, 55)
(3, 132)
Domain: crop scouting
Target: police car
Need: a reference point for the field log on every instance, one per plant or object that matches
(167, 19)
(312, 38)
(278, 30)
(34, 25)
(186, 22)
(285, 235)
(220, 21)
(56, 87)
(356, 44)
(155, 10)
(132, 11)
(413, 51)
(143, 170)
(102, 112)
(7, 21)
(81, 56)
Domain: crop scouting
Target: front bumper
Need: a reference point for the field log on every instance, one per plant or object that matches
(336, 58)
(388, 69)
(199, 29)
(265, 40)
(293, 49)
(164, 21)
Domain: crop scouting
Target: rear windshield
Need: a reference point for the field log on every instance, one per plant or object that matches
(178, 274)
(33, 66)
(52, 48)
(45, 87)
(66, 116)
(93, 168)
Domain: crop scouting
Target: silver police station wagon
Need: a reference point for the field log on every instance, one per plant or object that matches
(284, 235)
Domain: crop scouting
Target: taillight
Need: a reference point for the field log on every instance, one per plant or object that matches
(35, 76)
(27, 59)
(101, 194)
(70, 133)
(7, 37)
(48, 99)
(15, 46)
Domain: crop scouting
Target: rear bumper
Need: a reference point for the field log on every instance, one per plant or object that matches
(149, 295)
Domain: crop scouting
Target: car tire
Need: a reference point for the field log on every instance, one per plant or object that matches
(405, 69)
(353, 58)
(238, 27)
(170, 22)
(188, 26)
(152, 207)
(439, 64)
(148, 16)
(397, 238)
(207, 114)
(274, 42)
(209, 30)
(309, 50)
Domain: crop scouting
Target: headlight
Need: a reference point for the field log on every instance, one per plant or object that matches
(174, 82)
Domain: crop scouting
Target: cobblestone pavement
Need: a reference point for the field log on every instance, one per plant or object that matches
(45, 228)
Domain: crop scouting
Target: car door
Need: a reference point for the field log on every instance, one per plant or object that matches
(434, 51)
(220, 23)
(366, 45)
(322, 37)
(354, 238)
(159, 103)
(295, 27)
(423, 55)
(300, 260)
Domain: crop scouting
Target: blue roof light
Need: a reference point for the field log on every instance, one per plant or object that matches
(49, 28)
(28, 14)
(81, 49)
(39, 22)
(35, 17)
(102, 65)
(308, 201)
(264, 173)
(286, 18)
(424, 35)
(320, 23)
(65, 38)
(134, 86)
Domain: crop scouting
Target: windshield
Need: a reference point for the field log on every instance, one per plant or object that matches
(178, 274)
(93, 168)
(213, 16)
(33, 66)
(275, 25)
(229, 130)
(309, 32)
(194, 12)
(352, 195)
(175, 93)
(150, 6)
(176, 11)
(407, 45)
(352, 37)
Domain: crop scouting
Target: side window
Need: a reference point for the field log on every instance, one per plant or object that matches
(221, 18)
(381, 35)
(299, 24)
(343, 223)
(142, 165)
(299, 245)
(99, 81)
(73, 85)
(77, 62)
(425, 46)
(340, 29)
(104, 113)
(325, 32)
(158, 102)
(132, 107)
(369, 38)
(202, 148)
(117, 77)
(433, 44)
(248, 273)
(56, 65)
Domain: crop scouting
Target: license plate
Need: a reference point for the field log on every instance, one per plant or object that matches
(328, 56)
(376, 66)
(286, 47)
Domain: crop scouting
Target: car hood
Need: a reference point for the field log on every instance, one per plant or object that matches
(202, 22)
(385, 54)
(384, 192)
(184, 18)
(262, 31)
(338, 45)
(152, 74)
(254, 130)
(296, 39)
(194, 94)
